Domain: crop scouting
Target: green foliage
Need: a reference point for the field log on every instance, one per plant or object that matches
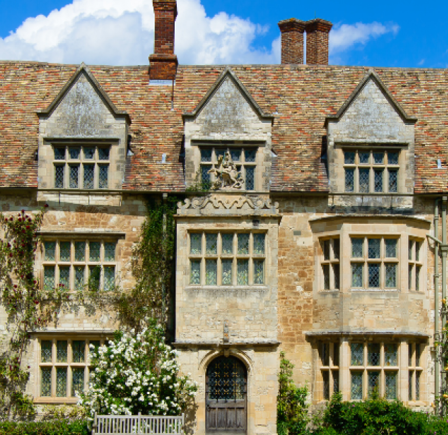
(137, 373)
(153, 267)
(57, 427)
(292, 409)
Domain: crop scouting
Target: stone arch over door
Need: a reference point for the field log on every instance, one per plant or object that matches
(226, 396)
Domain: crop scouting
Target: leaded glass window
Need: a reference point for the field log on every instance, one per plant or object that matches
(79, 277)
(329, 361)
(74, 176)
(415, 264)
(77, 381)
(61, 354)
(390, 355)
(64, 253)
(357, 354)
(357, 274)
(103, 176)
(103, 154)
(80, 251)
(368, 171)
(78, 351)
(356, 386)
(59, 153)
(109, 251)
(64, 276)
(245, 158)
(357, 248)
(49, 278)
(330, 263)
(373, 354)
(45, 387)
(59, 176)
(415, 370)
(373, 379)
(374, 275)
(222, 264)
(391, 275)
(89, 175)
(326, 382)
(391, 385)
(95, 248)
(46, 351)
(50, 251)
(109, 278)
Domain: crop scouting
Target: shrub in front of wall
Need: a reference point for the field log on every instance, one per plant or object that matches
(56, 427)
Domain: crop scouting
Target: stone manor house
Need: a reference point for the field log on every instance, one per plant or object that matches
(316, 238)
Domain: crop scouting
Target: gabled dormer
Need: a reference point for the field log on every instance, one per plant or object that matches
(82, 138)
(371, 143)
(228, 124)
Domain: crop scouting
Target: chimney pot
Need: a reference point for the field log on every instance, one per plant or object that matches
(292, 40)
(317, 38)
(163, 63)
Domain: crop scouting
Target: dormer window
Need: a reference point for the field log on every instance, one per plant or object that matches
(81, 167)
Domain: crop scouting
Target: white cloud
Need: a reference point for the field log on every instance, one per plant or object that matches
(117, 32)
(345, 36)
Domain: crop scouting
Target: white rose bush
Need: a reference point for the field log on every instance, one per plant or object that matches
(137, 373)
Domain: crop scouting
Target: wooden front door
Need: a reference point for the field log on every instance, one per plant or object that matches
(226, 395)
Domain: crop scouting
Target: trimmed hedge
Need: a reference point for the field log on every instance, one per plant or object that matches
(56, 427)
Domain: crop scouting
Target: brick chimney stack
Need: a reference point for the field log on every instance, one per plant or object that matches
(163, 63)
(317, 37)
(292, 40)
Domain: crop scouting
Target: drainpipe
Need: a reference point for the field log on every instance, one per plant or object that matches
(436, 295)
(444, 249)
(164, 197)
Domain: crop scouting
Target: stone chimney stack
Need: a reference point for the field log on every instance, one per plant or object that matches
(292, 40)
(317, 37)
(163, 63)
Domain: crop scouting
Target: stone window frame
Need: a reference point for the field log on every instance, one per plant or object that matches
(415, 358)
(330, 263)
(87, 264)
(67, 163)
(69, 365)
(329, 368)
(202, 258)
(415, 263)
(341, 167)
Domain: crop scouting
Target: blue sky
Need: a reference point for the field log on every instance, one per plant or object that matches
(380, 33)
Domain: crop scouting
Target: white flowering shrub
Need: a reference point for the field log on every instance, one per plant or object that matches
(137, 373)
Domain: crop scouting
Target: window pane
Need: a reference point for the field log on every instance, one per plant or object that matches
(373, 381)
(357, 248)
(335, 381)
(94, 251)
(195, 243)
(364, 184)
(349, 180)
(77, 381)
(109, 278)
(74, 177)
(364, 157)
(357, 278)
(326, 271)
(417, 354)
(391, 385)
(335, 354)
(336, 276)
(374, 275)
(417, 250)
(250, 178)
(227, 272)
(378, 180)
(206, 155)
(103, 176)
(74, 153)
(227, 244)
(357, 355)
(417, 385)
(103, 153)
(59, 153)
(94, 276)
(78, 350)
(195, 272)
(411, 249)
(235, 154)
(88, 176)
(356, 386)
(378, 158)
(64, 277)
(64, 251)
(80, 251)
(325, 354)
(411, 284)
(211, 274)
(390, 355)
(50, 251)
(59, 176)
(61, 382)
(249, 155)
(391, 248)
(393, 180)
(326, 382)
(211, 244)
(45, 387)
(391, 275)
(49, 281)
(89, 153)
(258, 271)
(45, 351)
(411, 390)
(336, 249)
(205, 176)
(79, 277)
(243, 272)
(392, 158)
(109, 251)
(349, 157)
(373, 354)
(410, 355)
(61, 354)
(374, 248)
(243, 244)
(220, 153)
(326, 249)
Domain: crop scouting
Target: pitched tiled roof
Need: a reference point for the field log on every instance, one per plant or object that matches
(300, 97)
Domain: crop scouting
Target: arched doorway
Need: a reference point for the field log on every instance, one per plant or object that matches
(225, 396)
